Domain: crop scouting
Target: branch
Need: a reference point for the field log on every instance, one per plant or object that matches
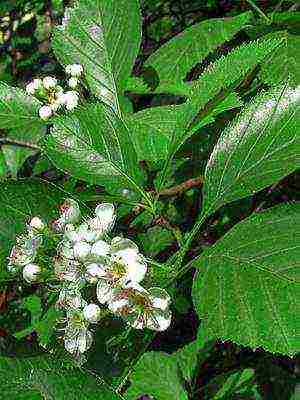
(19, 143)
(190, 183)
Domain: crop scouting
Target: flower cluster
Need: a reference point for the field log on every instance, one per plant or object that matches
(24, 252)
(48, 90)
(87, 256)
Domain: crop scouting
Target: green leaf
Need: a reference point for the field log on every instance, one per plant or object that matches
(260, 147)
(136, 85)
(234, 383)
(19, 202)
(47, 376)
(247, 285)
(15, 157)
(3, 166)
(33, 305)
(175, 59)
(159, 132)
(104, 36)
(155, 240)
(156, 374)
(94, 145)
(45, 327)
(284, 63)
(17, 109)
(213, 86)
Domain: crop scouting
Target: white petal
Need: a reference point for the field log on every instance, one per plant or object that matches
(70, 344)
(104, 291)
(106, 213)
(119, 244)
(81, 250)
(136, 271)
(159, 321)
(100, 249)
(159, 298)
(94, 272)
(92, 313)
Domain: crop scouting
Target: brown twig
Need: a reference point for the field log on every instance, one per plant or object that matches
(182, 187)
(4, 141)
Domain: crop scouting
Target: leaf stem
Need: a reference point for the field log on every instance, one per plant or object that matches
(259, 11)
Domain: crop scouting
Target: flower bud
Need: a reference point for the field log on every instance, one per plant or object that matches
(70, 212)
(81, 250)
(31, 272)
(45, 112)
(49, 82)
(92, 313)
(74, 70)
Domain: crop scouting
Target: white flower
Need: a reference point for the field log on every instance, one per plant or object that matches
(49, 82)
(36, 224)
(94, 272)
(142, 308)
(126, 266)
(31, 272)
(104, 220)
(70, 99)
(73, 82)
(81, 250)
(75, 70)
(92, 313)
(45, 112)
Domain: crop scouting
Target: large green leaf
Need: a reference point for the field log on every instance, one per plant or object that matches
(175, 59)
(45, 377)
(94, 145)
(156, 374)
(19, 201)
(247, 285)
(284, 63)
(213, 86)
(17, 109)
(260, 147)
(104, 36)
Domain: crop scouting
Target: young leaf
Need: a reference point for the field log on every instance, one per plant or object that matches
(284, 63)
(104, 36)
(260, 147)
(247, 284)
(47, 377)
(19, 202)
(95, 145)
(175, 59)
(156, 374)
(17, 109)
